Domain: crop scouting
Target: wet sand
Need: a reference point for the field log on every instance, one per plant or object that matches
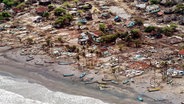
(55, 81)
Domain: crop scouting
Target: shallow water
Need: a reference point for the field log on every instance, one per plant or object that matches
(20, 91)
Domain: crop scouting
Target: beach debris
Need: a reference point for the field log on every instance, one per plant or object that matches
(83, 75)
(103, 79)
(174, 73)
(105, 15)
(38, 19)
(129, 23)
(29, 58)
(96, 72)
(87, 79)
(90, 82)
(169, 81)
(46, 61)
(141, 6)
(65, 63)
(56, 53)
(101, 82)
(68, 75)
(114, 82)
(132, 80)
(139, 98)
(39, 63)
(153, 89)
(85, 6)
(133, 73)
(182, 92)
(126, 81)
(152, 8)
(139, 57)
(44, 2)
(102, 86)
(82, 21)
(117, 19)
(23, 53)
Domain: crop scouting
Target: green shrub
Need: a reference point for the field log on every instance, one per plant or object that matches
(1, 17)
(122, 34)
(46, 14)
(29, 41)
(80, 12)
(60, 39)
(169, 3)
(102, 27)
(181, 46)
(49, 42)
(9, 3)
(68, 16)
(63, 20)
(59, 21)
(51, 7)
(139, 21)
(154, 1)
(181, 35)
(66, 4)
(137, 43)
(173, 26)
(21, 6)
(149, 29)
(135, 33)
(4, 15)
(109, 38)
(72, 48)
(169, 30)
(76, 1)
(179, 8)
(59, 11)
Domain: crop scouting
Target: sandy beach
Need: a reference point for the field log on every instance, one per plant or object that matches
(16, 90)
(53, 79)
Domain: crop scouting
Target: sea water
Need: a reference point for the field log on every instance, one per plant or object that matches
(20, 91)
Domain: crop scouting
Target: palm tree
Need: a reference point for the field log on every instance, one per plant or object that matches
(83, 53)
(164, 70)
(137, 43)
(128, 39)
(78, 59)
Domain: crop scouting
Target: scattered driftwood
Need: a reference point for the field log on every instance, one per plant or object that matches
(38, 63)
(114, 82)
(50, 62)
(68, 75)
(82, 75)
(29, 58)
(103, 79)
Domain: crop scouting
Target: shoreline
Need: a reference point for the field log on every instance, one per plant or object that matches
(56, 82)
(16, 90)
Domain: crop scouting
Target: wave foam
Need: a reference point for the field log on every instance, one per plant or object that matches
(17, 91)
